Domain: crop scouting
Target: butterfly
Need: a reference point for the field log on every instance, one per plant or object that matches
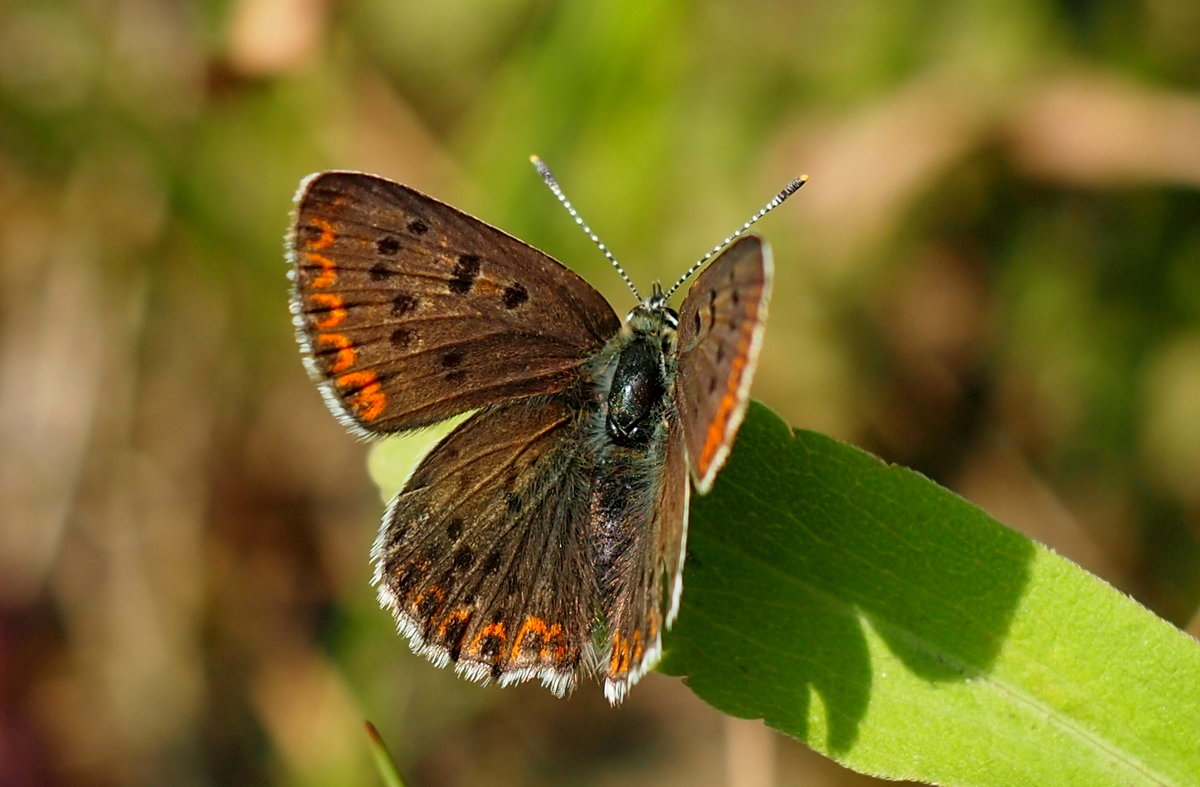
(545, 536)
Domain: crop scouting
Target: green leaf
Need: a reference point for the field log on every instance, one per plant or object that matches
(388, 772)
(900, 630)
(391, 461)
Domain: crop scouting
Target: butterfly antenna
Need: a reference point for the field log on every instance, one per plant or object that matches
(775, 202)
(548, 176)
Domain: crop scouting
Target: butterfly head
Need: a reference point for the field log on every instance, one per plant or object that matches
(652, 317)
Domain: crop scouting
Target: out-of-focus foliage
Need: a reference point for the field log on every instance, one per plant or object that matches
(993, 277)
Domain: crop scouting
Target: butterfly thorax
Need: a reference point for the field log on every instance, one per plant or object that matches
(642, 375)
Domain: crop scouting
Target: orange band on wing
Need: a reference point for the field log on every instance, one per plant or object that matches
(325, 239)
(335, 309)
(490, 630)
(369, 400)
(618, 664)
(532, 624)
(458, 615)
(328, 274)
(715, 437)
(345, 352)
(555, 635)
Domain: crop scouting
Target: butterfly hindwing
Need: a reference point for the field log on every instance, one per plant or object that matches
(410, 311)
(649, 570)
(484, 557)
(720, 330)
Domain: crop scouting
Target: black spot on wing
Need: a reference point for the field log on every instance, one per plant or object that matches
(466, 271)
(514, 295)
(428, 604)
(407, 579)
(456, 629)
(492, 564)
(402, 338)
(490, 646)
(403, 304)
(311, 232)
(463, 558)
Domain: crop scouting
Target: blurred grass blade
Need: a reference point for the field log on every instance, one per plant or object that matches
(383, 759)
(900, 630)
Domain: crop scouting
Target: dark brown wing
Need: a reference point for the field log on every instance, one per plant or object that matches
(648, 577)
(720, 331)
(484, 557)
(410, 311)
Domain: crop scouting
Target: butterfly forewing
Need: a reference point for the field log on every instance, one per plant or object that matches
(484, 557)
(411, 311)
(720, 331)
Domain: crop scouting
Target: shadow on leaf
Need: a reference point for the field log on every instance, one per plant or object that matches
(803, 546)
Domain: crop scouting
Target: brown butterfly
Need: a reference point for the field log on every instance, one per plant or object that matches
(545, 535)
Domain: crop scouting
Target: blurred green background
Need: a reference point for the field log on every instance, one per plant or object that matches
(992, 277)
